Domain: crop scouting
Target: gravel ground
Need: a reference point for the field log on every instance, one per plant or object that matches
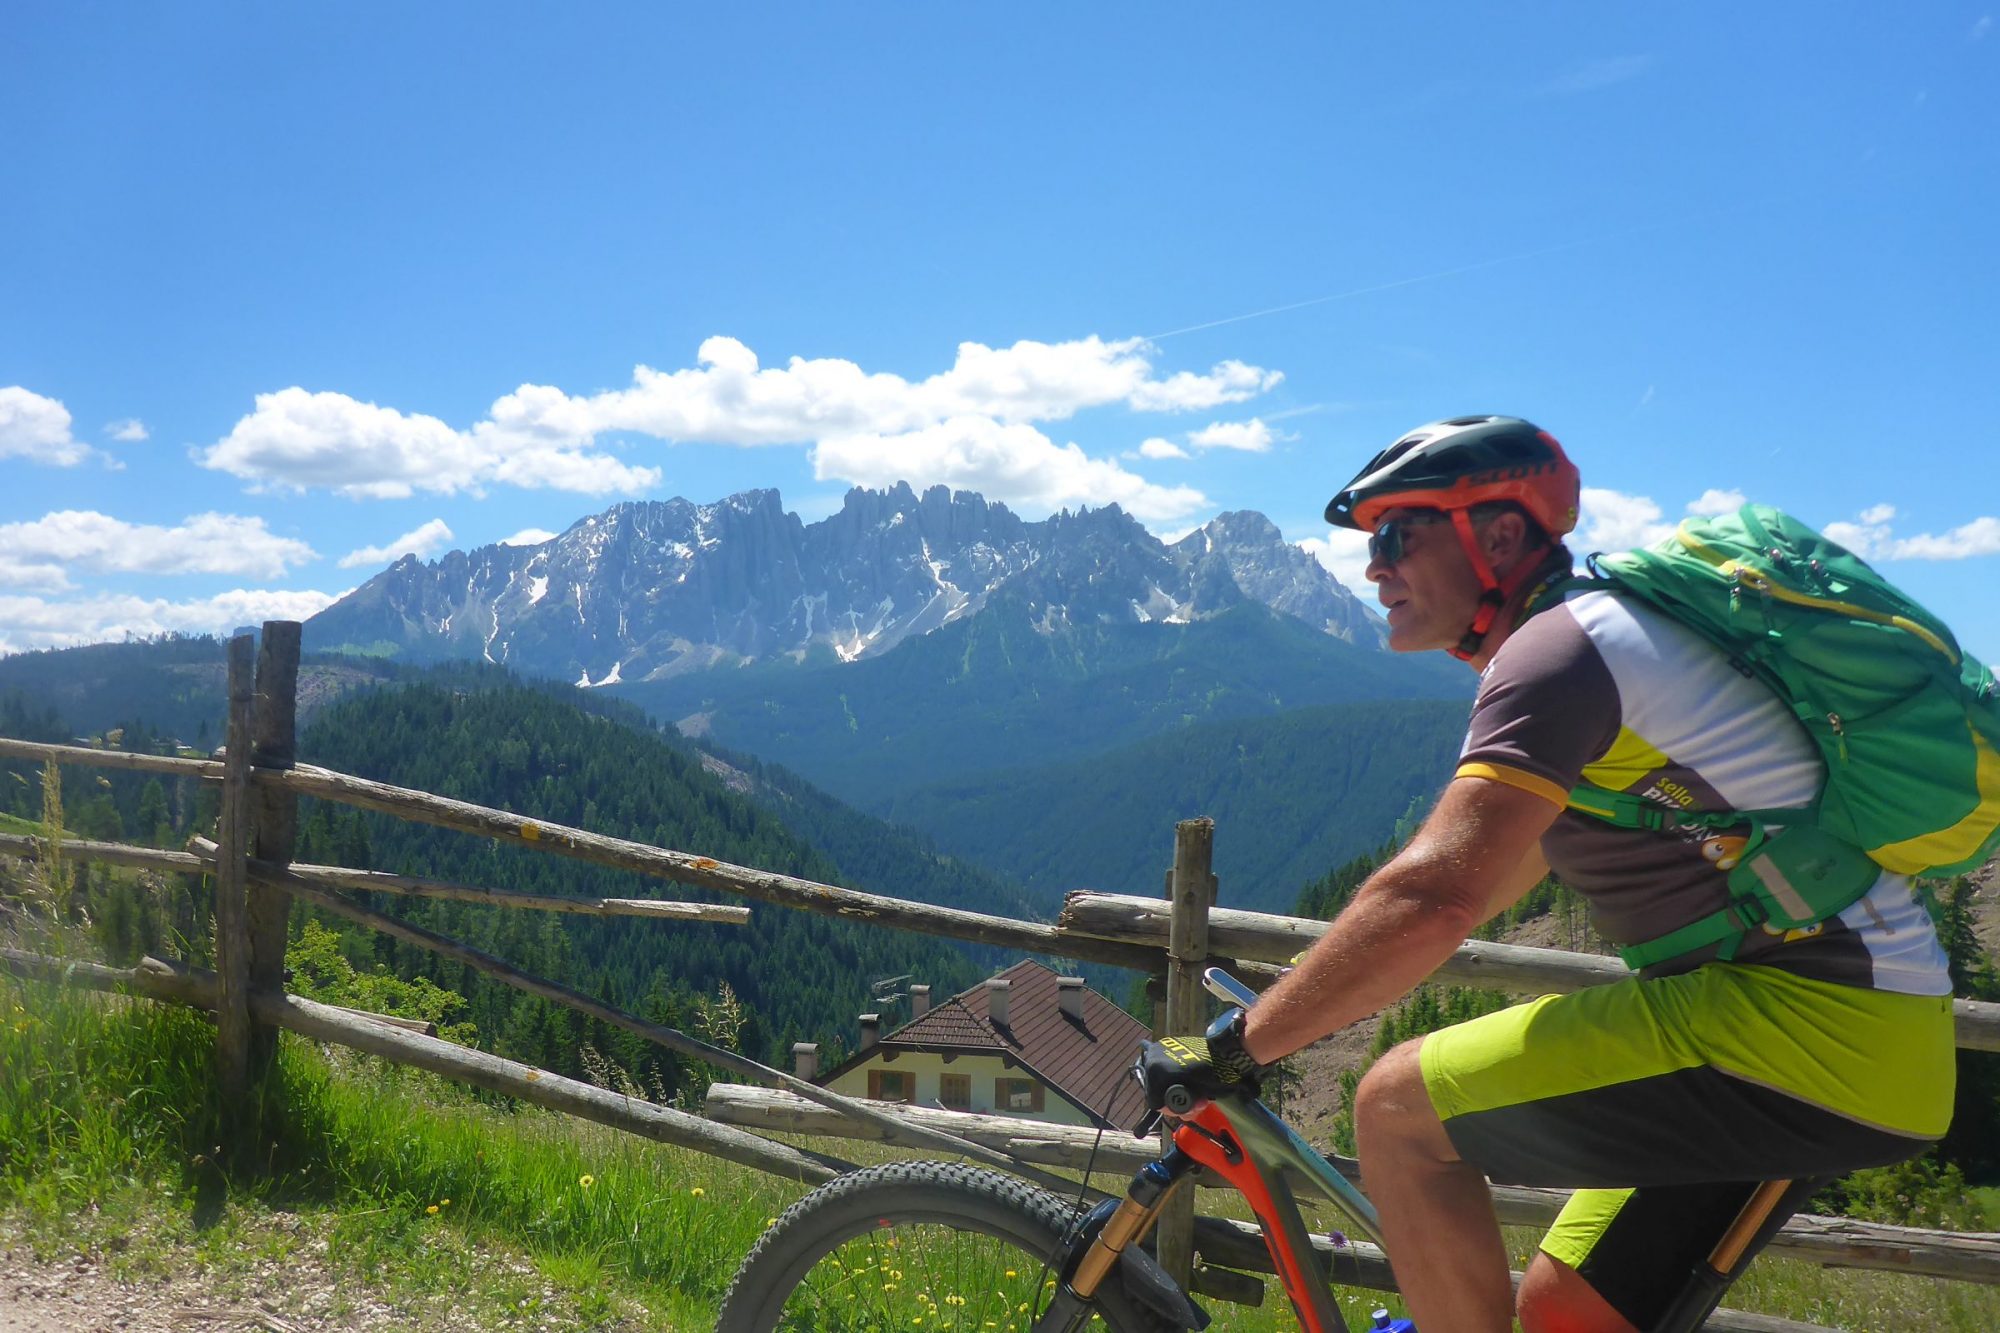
(280, 1278)
(75, 1295)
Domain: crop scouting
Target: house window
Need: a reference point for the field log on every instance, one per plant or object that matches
(891, 1085)
(1016, 1094)
(955, 1091)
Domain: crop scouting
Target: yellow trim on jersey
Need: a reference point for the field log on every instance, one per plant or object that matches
(1514, 777)
(1630, 758)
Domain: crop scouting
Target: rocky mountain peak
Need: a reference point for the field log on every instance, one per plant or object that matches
(654, 588)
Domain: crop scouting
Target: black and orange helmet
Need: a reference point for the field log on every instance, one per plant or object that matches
(1463, 462)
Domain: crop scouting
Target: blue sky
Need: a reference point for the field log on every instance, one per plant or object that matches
(285, 290)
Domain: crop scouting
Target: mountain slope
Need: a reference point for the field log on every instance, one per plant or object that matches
(1290, 795)
(996, 692)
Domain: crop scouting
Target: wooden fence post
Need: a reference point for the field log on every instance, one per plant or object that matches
(232, 935)
(275, 815)
(1193, 893)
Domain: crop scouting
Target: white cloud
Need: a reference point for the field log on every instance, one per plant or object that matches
(421, 542)
(728, 397)
(300, 440)
(1228, 382)
(128, 430)
(1010, 461)
(1982, 27)
(529, 537)
(968, 427)
(539, 435)
(1873, 539)
(1251, 436)
(42, 553)
(1344, 554)
(1714, 502)
(32, 622)
(37, 429)
(1613, 521)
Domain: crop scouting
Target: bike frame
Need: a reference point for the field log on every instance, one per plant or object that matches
(1257, 1154)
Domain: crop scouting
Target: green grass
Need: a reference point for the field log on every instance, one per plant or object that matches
(110, 1127)
(464, 1212)
(24, 827)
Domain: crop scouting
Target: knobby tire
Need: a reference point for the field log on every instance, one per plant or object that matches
(909, 1220)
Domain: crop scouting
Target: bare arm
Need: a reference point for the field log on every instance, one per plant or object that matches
(1476, 855)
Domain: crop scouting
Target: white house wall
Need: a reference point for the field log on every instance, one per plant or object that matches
(927, 1068)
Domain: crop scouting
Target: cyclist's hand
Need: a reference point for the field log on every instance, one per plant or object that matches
(1201, 1065)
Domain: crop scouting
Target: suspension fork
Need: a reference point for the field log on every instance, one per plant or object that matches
(1130, 1221)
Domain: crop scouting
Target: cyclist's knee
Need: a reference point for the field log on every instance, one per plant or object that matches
(1391, 1101)
(1554, 1298)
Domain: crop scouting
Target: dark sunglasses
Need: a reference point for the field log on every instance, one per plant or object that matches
(1389, 540)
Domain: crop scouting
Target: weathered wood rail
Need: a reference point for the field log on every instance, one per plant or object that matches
(1170, 938)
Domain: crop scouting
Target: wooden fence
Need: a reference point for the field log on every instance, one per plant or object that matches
(1170, 938)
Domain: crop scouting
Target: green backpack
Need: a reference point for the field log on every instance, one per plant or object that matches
(1909, 726)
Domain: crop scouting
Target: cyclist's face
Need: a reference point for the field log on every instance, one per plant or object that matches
(1429, 587)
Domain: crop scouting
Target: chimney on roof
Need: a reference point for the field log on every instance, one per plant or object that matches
(920, 1000)
(1069, 995)
(805, 1059)
(996, 1000)
(871, 1030)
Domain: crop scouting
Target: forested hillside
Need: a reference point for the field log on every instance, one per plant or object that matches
(175, 686)
(1290, 795)
(798, 977)
(996, 692)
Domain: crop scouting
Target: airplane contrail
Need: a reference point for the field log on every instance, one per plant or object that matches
(1429, 277)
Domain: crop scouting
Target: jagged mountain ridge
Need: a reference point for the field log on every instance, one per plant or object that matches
(653, 589)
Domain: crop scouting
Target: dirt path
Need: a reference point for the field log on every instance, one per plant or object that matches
(74, 1294)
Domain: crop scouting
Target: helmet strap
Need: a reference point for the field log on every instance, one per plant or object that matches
(1493, 591)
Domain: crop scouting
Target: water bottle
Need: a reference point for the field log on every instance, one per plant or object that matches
(1384, 1324)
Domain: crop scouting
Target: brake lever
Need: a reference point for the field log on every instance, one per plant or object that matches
(1227, 988)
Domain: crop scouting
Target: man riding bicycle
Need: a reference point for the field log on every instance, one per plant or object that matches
(1663, 1098)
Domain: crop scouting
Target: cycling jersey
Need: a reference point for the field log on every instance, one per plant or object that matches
(1606, 690)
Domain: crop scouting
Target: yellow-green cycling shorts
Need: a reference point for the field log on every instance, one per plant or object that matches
(1659, 1099)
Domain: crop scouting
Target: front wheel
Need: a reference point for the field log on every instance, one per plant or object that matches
(912, 1246)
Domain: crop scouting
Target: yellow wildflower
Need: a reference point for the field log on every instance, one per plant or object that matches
(586, 1181)
(697, 1191)
(432, 1210)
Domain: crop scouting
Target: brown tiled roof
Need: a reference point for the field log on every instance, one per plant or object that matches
(1088, 1062)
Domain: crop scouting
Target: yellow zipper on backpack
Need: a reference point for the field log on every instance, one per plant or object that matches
(1758, 581)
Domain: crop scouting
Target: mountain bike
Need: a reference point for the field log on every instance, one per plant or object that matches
(926, 1246)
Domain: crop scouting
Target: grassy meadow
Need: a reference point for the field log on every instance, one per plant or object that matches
(461, 1211)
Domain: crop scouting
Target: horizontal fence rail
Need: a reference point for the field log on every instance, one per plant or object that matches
(129, 761)
(701, 871)
(1258, 937)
